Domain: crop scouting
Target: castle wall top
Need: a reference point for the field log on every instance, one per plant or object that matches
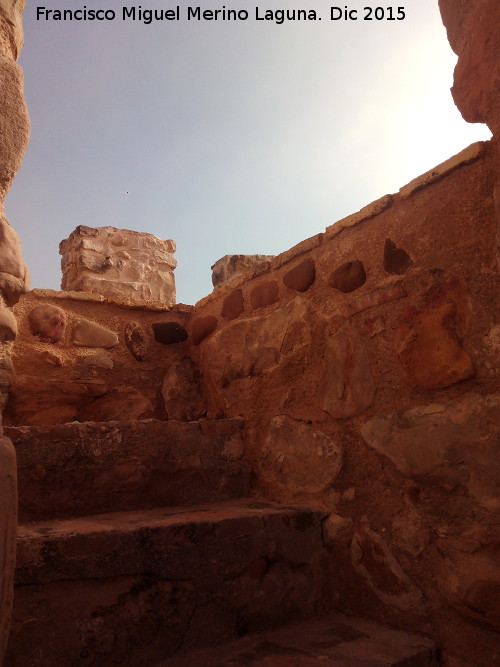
(119, 263)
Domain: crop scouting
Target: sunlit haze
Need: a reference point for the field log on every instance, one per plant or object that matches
(229, 137)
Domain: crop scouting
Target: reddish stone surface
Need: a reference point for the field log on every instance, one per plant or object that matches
(396, 260)
(126, 465)
(377, 297)
(348, 277)
(474, 36)
(297, 456)
(264, 294)
(181, 391)
(428, 340)
(301, 277)
(232, 306)
(346, 387)
(372, 558)
(334, 641)
(88, 574)
(136, 340)
(48, 323)
(202, 327)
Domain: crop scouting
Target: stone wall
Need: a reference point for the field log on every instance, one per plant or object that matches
(81, 357)
(119, 263)
(364, 361)
(14, 133)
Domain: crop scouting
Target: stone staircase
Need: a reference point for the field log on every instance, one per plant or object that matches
(139, 544)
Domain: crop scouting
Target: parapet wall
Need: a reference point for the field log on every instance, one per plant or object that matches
(119, 263)
(363, 361)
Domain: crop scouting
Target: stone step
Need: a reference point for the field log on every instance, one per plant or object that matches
(130, 588)
(332, 641)
(78, 469)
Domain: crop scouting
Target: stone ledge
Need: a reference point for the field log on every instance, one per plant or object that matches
(89, 297)
(301, 248)
(468, 155)
(369, 211)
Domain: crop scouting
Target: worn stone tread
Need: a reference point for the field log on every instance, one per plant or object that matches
(167, 541)
(334, 640)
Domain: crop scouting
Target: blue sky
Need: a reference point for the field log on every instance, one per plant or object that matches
(229, 137)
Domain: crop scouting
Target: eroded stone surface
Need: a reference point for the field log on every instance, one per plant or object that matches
(373, 559)
(231, 267)
(453, 443)
(122, 404)
(8, 325)
(181, 392)
(14, 275)
(346, 387)
(427, 340)
(250, 348)
(48, 323)
(202, 327)
(473, 33)
(90, 334)
(299, 458)
(470, 574)
(264, 294)
(127, 465)
(348, 277)
(136, 340)
(301, 277)
(377, 297)
(232, 306)
(119, 263)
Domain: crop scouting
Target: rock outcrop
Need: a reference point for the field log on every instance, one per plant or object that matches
(14, 279)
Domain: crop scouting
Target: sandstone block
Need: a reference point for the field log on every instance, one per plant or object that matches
(427, 340)
(136, 340)
(8, 325)
(256, 346)
(88, 365)
(90, 334)
(48, 323)
(450, 443)
(123, 404)
(301, 277)
(14, 276)
(230, 267)
(181, 392)
(346, 387)
(297, 458)
(119, 264)
(373, 560)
